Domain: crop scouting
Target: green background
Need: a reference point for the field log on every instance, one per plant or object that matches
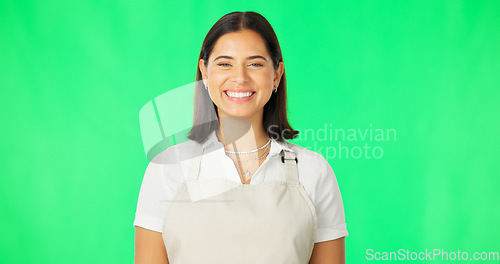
(74, 75)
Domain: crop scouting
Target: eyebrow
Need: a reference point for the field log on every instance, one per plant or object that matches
(248, 58)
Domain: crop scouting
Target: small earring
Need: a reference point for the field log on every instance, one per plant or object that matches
(206, 87)
(275, 90)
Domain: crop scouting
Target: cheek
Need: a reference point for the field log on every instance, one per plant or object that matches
(266, 78)
(270, 74)
(217, 76)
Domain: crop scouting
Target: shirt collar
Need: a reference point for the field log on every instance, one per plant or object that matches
(276, 147)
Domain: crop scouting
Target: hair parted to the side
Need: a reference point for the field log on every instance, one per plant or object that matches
(275, 119)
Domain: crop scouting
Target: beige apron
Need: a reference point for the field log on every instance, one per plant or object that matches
(270, 222)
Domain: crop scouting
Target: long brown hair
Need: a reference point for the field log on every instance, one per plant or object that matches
(275, 119)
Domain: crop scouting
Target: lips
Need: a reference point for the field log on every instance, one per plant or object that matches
(246, 96)
(239, 94)
(239, 90)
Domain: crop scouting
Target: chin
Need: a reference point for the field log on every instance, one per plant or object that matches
(239, 114)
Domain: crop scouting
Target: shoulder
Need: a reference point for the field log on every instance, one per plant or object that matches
(169, 165)
(310, 161)
(176, 153)
(315, 173)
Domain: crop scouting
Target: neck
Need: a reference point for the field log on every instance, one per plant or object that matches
(241, 134)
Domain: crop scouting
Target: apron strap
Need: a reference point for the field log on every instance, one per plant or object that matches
(194, 166)
(290, 161)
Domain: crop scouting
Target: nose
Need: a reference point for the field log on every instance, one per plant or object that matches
(239, 75)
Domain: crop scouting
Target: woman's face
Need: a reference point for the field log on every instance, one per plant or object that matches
(240, 75)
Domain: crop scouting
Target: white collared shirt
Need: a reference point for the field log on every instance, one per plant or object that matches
(167, 172)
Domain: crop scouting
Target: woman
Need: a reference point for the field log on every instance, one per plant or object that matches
(244, 195)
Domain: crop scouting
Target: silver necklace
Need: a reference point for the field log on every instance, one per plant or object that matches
(246, 173)
(247, 152)
(247, 160)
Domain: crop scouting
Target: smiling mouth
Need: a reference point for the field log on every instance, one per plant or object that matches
(239, 95)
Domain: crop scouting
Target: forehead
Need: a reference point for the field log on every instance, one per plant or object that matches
(240, 44)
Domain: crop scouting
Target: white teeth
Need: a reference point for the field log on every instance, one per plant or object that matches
(238, 95)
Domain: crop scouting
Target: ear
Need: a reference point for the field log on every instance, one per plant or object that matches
(203, 70)
(278, 73)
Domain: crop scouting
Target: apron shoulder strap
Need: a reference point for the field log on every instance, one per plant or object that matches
(290, 160)
(194, 165)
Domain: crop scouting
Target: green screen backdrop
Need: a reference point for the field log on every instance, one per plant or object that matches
(401, 97)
